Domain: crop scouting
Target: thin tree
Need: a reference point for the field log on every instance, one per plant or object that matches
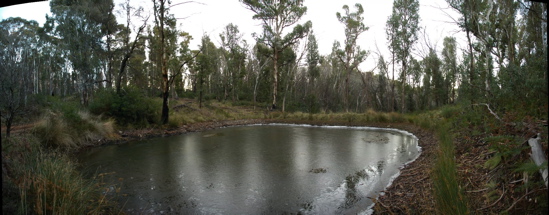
(18, 42)
(313, 58)
(129, 47)
(276, 16)
(351, 56)
(402, 28)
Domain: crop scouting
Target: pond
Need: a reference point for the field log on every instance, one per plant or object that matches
(259, 169)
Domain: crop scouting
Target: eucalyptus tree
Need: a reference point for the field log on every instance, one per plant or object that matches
(383, 85)
(416, 73)
(333, 101)
(206, 64)
(469, 15)
(276, 16)
(313, 59)
(137, 66)
(82, 25)
(351, 56)
(431, 80)
(402, 28)
(289, 62)
(52, 75)
(532, 54)
(165, 32)
(179, 65)
(450, 65)
(259, 69)
(128, 47)
(234, 52)
(18, 42)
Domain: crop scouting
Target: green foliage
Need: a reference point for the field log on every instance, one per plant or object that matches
(313, 57)
(131, 106)
(504, 148)
(493, 161)
(530, 167)
(450, 111)
(351, 55)
(286, 13)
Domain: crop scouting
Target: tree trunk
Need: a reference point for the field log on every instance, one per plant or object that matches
(165, 95)
(403, 99)
(472, 61)
(9, 120)
(121, 72)
(275, 77)
(393, 87)
(346, 94)
(166, 88)
(200, 90)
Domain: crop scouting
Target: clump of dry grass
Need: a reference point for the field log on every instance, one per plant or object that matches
(98, 129)
(48, 182)
(55, 131)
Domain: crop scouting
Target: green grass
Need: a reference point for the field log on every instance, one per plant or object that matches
(448, 195)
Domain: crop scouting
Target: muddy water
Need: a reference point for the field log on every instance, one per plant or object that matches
(267, 169)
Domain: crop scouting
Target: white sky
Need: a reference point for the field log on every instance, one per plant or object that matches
(211, 16)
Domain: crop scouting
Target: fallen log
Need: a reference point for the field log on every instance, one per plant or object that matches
(538, 156)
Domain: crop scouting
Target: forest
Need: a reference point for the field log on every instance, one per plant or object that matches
(83, 65)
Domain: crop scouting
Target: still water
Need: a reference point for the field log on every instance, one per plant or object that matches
(260, 169)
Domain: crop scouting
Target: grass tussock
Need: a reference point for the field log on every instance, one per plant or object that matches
(53, 131)
(97, 128)
(56, 131)
(47, 182)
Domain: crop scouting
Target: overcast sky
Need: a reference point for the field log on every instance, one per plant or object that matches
(211, 16)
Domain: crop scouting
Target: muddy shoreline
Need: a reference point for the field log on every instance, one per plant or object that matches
(410, 192)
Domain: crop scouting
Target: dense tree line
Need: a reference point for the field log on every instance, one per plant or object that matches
(81, 50)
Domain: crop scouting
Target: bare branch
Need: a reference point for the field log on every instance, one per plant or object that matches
(489, 109)
(185, 2)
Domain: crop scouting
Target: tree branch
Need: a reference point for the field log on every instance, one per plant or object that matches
(489, 109)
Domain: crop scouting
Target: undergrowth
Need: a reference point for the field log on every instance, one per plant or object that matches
(39, 177)
(41, 181)
(492, 152)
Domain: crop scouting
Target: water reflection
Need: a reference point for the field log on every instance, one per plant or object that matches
(255, 169)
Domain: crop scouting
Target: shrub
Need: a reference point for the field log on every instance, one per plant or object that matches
(131, 106)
